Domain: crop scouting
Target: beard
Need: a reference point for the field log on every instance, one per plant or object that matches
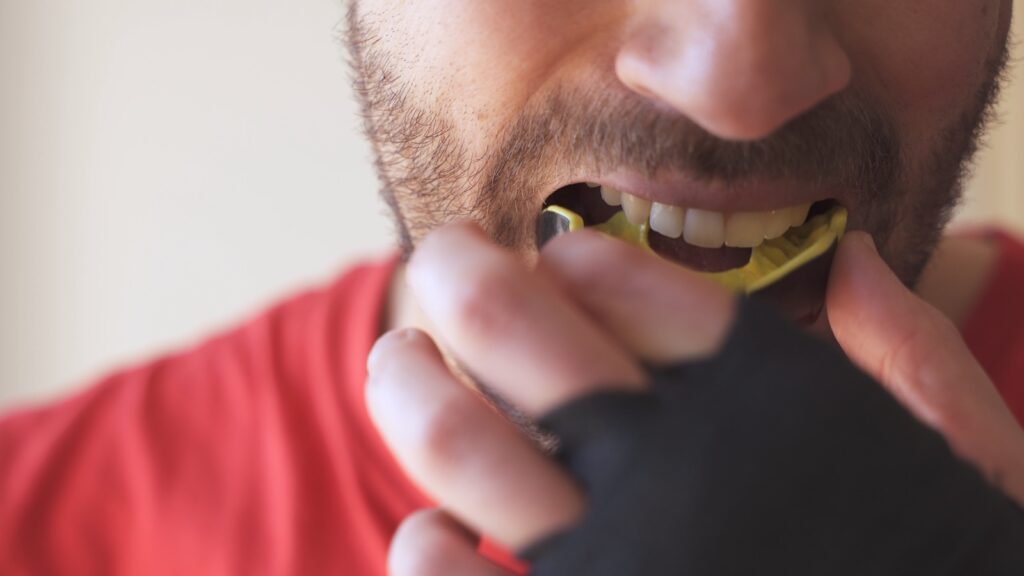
(849, 142)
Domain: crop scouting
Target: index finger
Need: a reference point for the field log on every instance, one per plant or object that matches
(658, 310)
(512, 328)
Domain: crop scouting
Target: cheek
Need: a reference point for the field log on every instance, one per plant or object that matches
(926, 59)
(480, 60)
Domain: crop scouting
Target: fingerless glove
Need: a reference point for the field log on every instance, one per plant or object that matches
(776, 456)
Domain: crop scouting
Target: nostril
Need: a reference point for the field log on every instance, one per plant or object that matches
(733, 106)
(629, 67)
(722, 101)
(652, 50)
(836, 68)
(741, 73)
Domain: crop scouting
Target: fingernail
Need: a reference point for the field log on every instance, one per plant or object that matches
(374, 357)
(386, 342)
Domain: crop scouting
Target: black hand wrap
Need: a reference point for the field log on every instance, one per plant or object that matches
(777, 456)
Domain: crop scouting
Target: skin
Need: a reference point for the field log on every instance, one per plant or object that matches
(489, 479)
(656, 97)
(544, 328)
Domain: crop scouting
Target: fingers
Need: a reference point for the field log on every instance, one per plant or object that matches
(511, 328)
(471, 460)
(918, 354)
(658, 310)
(430, 543)
(896, 337)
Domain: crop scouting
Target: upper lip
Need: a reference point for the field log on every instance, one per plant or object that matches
(755, 195)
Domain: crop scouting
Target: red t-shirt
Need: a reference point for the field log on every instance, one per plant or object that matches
(254, 454)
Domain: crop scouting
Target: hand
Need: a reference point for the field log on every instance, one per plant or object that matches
(583, 321)
(920, 357)
(503, 323)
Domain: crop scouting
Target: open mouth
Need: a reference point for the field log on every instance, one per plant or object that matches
(746, 251)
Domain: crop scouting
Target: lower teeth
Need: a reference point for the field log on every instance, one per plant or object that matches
(770, 262)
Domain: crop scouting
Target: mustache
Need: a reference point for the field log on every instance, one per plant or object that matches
(845, 141)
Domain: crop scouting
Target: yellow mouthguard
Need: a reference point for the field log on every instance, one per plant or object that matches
(770, 262)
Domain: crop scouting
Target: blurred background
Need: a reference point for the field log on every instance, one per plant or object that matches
(168, 167)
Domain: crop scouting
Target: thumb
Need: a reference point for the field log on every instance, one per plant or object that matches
(899, 339)
(919, 356)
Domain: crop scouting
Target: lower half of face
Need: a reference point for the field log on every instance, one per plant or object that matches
(494, 111)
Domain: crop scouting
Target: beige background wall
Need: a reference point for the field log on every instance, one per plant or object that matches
(997, 192)
(169, 166)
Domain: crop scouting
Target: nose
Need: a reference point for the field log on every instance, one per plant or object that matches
(741, 69)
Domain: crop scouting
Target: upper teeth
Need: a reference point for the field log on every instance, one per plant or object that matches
(707, 228)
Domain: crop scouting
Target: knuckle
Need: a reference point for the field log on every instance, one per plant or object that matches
(485, 306)
(914, 365)
(442, 435)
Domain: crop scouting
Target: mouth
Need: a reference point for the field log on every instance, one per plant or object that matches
(784, 252)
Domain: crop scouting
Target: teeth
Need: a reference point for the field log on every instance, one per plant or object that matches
(611, 196)
(799, 214)
(744, 230)
(637, 210)
(667, 220)
(704, 228)
(776, 223)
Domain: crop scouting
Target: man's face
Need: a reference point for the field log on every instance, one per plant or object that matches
(484, 109)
